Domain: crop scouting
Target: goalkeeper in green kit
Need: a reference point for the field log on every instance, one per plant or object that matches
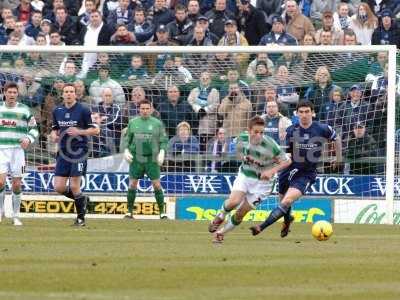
(146, 142)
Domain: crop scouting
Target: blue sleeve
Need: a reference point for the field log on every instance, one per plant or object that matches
(289, 139)
(329, 132)
(55, 123)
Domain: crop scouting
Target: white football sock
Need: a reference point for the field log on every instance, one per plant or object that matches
(16, 203)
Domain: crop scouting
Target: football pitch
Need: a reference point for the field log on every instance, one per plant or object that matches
(118, 259)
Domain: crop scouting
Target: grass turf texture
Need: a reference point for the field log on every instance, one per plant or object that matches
(118, 259)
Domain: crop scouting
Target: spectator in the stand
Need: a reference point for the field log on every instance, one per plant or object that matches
(204, 100)
(156, 63)
(270, 94)
(110, 114)
(95, 34)
(182, 143)
(84, 17)
(318, 7)
(104, 59)
(102, 144)
(123, 37)
(181, 28)
(81, 94)
(23, 11)
(275, 123)
(193, 7)
(69, 71)
(377, 67)
(277, 36)
(286, 90)
(329, 112)
(292, 62)
(325, 38)
(328, 25)
(137, 70)
(160, 14)
(220, 64)
(194, 60)
(235, 109)
(318, 93)
(233, 77)
(33, 28)
(363, 23)
(202, 22)
(31, 94)
(180, 64)
(233, 37)
(218, 16)
(141, 27)
(170, 75)
(104, 81)
(251, 22)
(360, 145)
(45, 29)
(251, 69)
(377, 6)
(217, 147)
(270, 8)
(354, 110)
(66, 26)
(297, 24)
(174, 110)
(341, 18)
(388, 32)
(131, 107)
(380, 84)
(25, 39)
(121, 15)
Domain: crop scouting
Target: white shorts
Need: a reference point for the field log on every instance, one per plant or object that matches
(255, 190)
(12, 161)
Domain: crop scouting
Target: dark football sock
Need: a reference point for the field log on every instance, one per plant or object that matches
(159, 195)
(80, 204)
(131, 199)
(274, 216)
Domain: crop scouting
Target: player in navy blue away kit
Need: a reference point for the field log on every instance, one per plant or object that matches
(72, 124)
(305, 143)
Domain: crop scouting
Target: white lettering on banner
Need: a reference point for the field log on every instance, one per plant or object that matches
(122, 180)
(144, 188)
(229, 182)
(90, 183)
(107, 183)
(203, 182)
(380, 185)
(45, 183)
(340, 186)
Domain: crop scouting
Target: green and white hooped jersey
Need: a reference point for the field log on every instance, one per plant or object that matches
(262, 156)
(15, 123)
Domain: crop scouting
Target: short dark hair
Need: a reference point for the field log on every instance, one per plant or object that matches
(180, 7)
(10, 85)
(305, 103)
(256, 120)
(144, 101)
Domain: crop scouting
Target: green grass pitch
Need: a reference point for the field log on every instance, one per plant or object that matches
(118, 259)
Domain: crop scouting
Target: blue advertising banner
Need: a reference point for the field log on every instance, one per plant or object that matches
(206, 184)
(201, 208)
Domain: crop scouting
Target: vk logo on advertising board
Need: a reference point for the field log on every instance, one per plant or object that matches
(201, 208)
(354, 186)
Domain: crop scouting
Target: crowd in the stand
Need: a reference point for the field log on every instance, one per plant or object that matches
(205, 100)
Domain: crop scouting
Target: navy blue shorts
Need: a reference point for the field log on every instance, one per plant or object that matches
(296, 178)
(70, 166)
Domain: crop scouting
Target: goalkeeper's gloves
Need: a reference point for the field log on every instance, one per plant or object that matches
(128, 156)
(160, 157)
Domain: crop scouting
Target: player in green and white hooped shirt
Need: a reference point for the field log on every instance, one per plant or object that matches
(17, 131)
(146, 142)
(261, 159)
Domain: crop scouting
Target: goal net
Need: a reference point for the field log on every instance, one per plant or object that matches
(205, 97)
